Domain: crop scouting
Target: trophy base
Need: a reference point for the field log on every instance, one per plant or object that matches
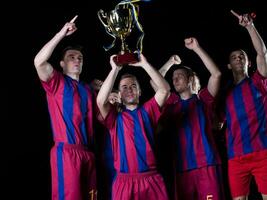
(126, 58)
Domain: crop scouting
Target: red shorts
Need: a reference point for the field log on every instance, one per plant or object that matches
(241, 169)
(202, 183)
(73, 172)
(141, 186)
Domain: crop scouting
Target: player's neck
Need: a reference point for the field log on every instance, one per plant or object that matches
(186, 95)
(131, 106)
(238, 77)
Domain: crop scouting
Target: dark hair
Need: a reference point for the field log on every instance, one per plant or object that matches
(71, 47)
(239, 49)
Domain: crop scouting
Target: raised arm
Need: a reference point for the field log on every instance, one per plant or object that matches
(43, 67)
(246, 21)
(214, 80)
(163, 87)
(174, 59)
(106, 88)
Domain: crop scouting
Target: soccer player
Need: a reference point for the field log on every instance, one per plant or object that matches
(131, 132)
(70, 103)
(187, 115)
(246, 117)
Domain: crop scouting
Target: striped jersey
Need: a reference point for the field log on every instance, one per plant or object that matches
(246, 116)
(70, 104)
(132, 137)
(190, 122)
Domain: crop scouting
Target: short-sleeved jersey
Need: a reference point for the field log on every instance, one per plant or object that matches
(132, 137)
(190, 122)
(246, 116)
(70, 105)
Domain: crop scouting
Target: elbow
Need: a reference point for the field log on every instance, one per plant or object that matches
(264, 55)
(217, 75)
(165, 92)
(167, 88)
(100, 102)
(262, 52)
(164, 88)
(37, 62)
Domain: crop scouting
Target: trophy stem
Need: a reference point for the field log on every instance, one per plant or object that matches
(123, 45)
(125, 56)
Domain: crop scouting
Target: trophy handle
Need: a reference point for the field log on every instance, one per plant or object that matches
(102, 16)
(103, 19)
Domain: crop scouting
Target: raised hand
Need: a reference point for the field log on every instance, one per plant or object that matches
(113, 63)
(142, 61)
(69, 27)
(244, 20)
(191, 43)
(174, 59)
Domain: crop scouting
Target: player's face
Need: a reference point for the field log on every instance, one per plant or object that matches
(238, 62)
(180, 81)
(72, 62)
(129, 91)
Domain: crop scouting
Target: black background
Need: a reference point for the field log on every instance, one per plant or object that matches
(26, 27)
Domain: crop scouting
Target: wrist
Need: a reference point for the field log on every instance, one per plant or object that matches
(197, 49)
(250, 26)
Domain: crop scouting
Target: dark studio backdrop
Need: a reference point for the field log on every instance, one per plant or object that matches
(26, 133)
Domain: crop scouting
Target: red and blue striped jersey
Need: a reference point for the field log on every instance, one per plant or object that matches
(70, 105)
(190, 122)
(132, 137)
(246, 116)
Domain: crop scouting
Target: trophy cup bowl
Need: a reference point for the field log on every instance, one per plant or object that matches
(119, 24)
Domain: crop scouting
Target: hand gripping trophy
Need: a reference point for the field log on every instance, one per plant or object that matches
(119, 23)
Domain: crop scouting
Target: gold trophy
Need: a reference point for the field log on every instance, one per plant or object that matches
(119, 23)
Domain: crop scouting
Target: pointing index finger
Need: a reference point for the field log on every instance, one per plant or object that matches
(73, 19)
(235, 14)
